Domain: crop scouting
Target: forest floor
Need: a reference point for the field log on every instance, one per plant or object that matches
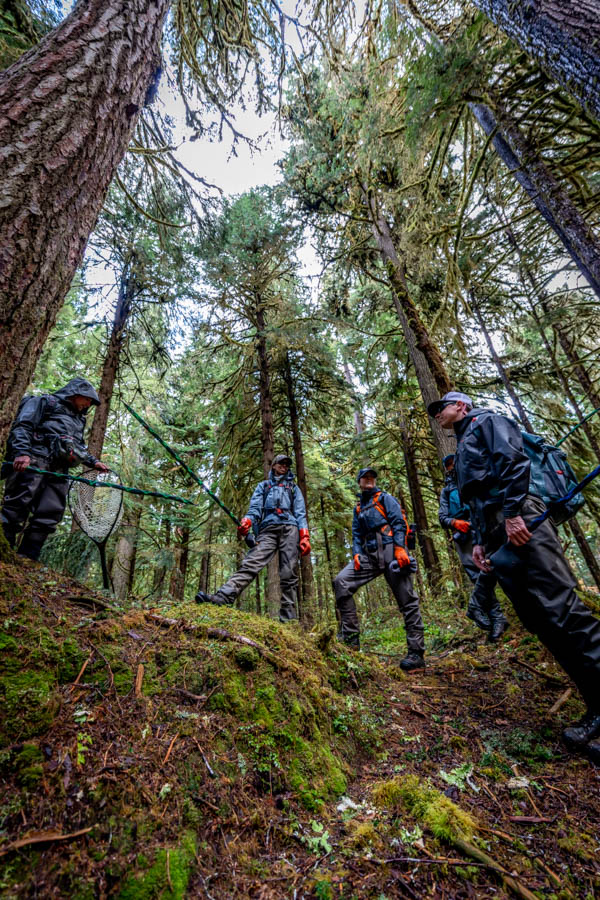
(194, 751)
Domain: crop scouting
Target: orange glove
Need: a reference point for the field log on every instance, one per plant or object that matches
(356, 562)
(461, 525)
(304, 542)
(402, 557)
(244, 527)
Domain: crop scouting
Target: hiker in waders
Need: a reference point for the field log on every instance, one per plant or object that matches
(379, 534)
(483, 609)
(47, 433)
(493, 475)
(277, 515)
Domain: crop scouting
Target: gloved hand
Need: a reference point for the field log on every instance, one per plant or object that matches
(356, 562)
(402, 557)
(304, 542)
(461, 525)
(244, 527)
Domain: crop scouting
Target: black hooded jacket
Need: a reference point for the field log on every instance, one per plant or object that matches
(492, 470)
(451, 505)
(41, 420)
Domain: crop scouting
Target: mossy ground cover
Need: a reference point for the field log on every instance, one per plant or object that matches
(207, 766)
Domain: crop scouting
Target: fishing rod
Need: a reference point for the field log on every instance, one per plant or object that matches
(250, 540)
(575, 427)
(116, 487)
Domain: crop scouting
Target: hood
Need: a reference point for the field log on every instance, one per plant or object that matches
(278, 479)
(460, 427)
(78, 386)
(450, 479)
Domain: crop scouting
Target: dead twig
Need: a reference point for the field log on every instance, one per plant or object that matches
(171, 745)
(82, 670)
(560, 702)
(139, 677)
(42, 837)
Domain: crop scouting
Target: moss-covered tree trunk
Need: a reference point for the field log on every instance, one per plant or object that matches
(67, 112)
(563, 38)
(545, 192)
(430, 556)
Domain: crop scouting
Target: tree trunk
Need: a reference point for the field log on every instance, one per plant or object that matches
(180, 564)
(359, 424)
(204, 584)
(429, 367)
(501, 370)
(110, 368)
(307, 606)
(430, 557)
(550, 198)
(563, 39)
(123, 566)
(586, 551)
(68, 108)
(273, 593)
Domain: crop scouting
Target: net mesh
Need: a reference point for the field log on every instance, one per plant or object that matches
(97, 510)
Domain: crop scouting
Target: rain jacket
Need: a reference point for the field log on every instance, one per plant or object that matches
(369, 523)
(451, 506)
(492, 469)
(41, 420)
(277, 500)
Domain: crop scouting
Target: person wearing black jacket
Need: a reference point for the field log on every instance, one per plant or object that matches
(48, 434)
(493, 476)
(484, 608)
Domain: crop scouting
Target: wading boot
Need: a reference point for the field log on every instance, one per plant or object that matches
(593, 751)
(203, 597)
(412, 661)
(352, 641)
(580, 733)
(478, 615)
(498, 626)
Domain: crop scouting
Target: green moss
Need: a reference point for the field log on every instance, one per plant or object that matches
(579, 843)
(247, 658)
(430, 807)
(168, 876)
(9, 650)
(361, 835)
(29, 703)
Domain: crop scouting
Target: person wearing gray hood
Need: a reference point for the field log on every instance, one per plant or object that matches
(47, 433)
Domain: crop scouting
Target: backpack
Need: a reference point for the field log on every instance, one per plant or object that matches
(551, 476)
(387, 528)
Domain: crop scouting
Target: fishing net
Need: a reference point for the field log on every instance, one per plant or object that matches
(97, 510)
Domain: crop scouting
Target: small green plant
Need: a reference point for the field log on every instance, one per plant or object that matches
(84, 742)
(319, 843)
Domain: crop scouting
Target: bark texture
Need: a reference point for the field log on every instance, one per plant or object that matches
(68, 108)
(123, 567)
(563, 38)
(550, 198)
(431, 560)
(110, 367)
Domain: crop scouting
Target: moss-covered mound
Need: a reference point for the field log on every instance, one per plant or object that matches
(157, 731)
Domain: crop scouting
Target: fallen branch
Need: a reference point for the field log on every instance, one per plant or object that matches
(42, 837)
(553, 679)
(93, 601)
(532, 819)
(509, 880)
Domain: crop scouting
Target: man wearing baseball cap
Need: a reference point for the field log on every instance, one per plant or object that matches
(379, 548)
(277, 515)
(493, 476)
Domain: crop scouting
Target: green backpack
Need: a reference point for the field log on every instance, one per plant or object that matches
(551, 476)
